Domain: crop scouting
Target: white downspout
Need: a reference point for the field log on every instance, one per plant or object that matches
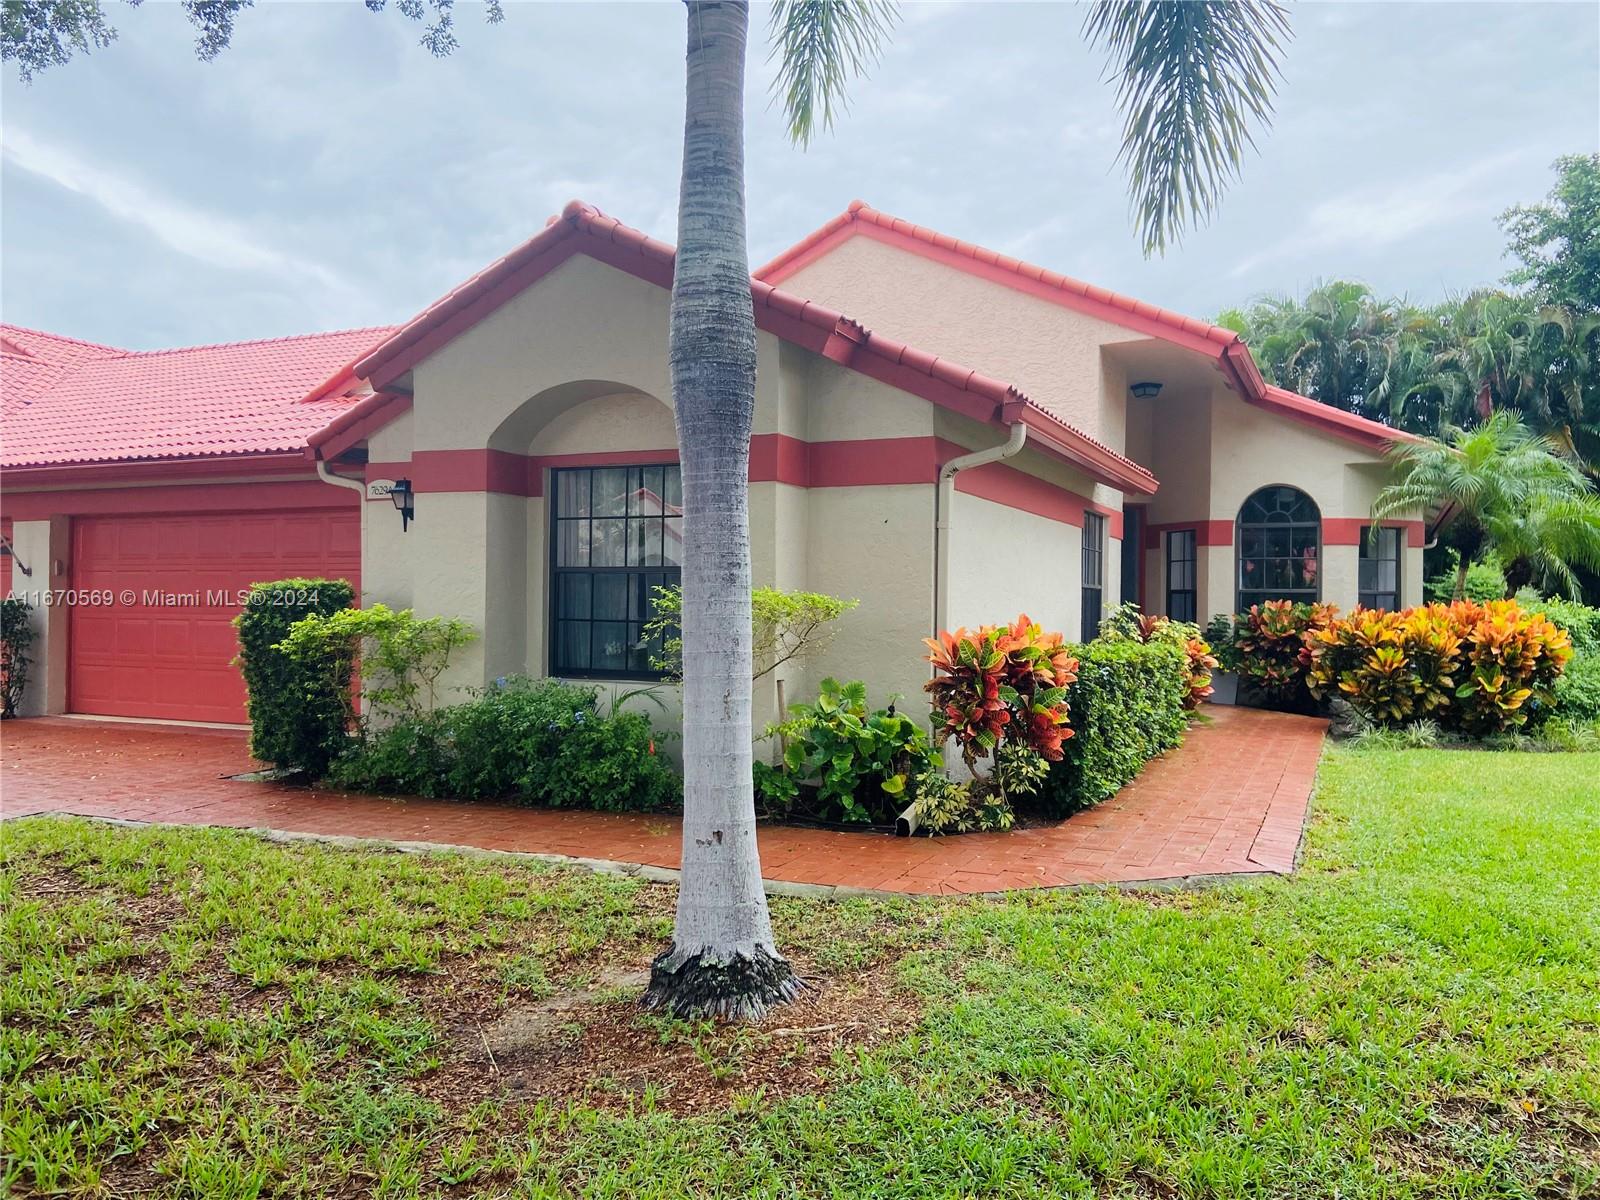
(328, 476)
(944, 500)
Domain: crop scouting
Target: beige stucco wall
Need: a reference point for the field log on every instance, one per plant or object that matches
(1051, 352)
(874, 545)
(509, 384)
(1005, 562)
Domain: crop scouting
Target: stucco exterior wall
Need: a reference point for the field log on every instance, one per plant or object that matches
(874, 545)
(1005, 562)
(386, 569)
(1052, 353)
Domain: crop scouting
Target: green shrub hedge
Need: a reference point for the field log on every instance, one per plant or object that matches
(1126, 707)
(16, 636)
(1577, 693)
(298, 711)
(532, 741)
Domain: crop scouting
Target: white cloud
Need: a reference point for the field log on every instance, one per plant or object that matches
(1375, 217)
(203, 236)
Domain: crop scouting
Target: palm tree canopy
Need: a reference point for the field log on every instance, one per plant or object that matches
(1191, 79)
(819, 46)
(1502, 487)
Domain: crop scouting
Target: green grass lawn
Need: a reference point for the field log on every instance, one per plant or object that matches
(1417, 1013)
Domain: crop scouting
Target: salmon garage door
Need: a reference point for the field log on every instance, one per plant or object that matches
(163, 646)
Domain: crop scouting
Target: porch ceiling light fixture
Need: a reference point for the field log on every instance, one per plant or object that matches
(1148, 390)
(400, 492)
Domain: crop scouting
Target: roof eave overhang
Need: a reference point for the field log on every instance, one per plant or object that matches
(155, 469)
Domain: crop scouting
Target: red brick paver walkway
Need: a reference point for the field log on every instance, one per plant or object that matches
(1231, 800)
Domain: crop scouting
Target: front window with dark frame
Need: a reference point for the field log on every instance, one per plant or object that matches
(1181, 590)
(1279, 547)
(616, 536)
(1094, 574)
(1379, 582)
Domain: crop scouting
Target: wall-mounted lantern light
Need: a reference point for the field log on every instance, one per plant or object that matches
(7, 550)
(1147, 390)
(400, 493)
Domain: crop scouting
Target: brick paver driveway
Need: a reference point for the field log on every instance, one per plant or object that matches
(1231, 800)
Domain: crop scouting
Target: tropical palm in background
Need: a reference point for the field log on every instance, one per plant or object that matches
(1427, 368)
(1191, 81)
(1502, 489)
(1342, 345)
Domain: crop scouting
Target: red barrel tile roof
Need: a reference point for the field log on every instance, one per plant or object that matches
(67, 401)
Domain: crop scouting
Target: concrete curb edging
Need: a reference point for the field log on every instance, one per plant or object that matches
(655, 874)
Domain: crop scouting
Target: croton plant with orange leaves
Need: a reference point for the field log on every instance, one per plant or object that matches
(999, 684)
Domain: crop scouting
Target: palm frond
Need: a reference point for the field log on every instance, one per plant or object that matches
(820, 46)
(1191, 79)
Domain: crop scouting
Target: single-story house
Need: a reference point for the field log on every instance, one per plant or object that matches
(978, 437)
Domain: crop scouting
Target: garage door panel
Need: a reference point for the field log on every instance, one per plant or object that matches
(179, 541)
(97, 541)
(93, 685)
(213, 642)
(169, 654)
(131, 637)
(300, 537)
(138, 543)
(345, 542)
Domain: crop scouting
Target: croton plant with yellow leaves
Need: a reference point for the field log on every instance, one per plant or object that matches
(1479, 668)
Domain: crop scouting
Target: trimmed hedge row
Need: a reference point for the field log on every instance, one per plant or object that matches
(1127, 706)
(298, 711)
(529, 741)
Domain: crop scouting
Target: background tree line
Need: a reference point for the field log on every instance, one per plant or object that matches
(1531, 346)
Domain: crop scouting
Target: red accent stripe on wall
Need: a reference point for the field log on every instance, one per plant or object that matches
(1113, 518)
(774, 458)
(1005, 485)
(1346, 531)
(878, 461)
(779, 457)
(1206, 533)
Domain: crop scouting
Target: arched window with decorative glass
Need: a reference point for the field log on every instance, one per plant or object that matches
(1279, 547)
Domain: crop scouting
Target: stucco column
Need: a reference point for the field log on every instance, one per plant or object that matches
(1214, 581)
(468, 554)
(1341, 575)
(44, 547)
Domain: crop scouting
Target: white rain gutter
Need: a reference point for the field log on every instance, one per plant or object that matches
(944, 500)
(327, 476)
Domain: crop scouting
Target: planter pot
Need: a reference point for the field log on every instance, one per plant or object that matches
(1224, 687)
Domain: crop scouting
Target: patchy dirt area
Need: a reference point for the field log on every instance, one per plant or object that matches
(595, 1043)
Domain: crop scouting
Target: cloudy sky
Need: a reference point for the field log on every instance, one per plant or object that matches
(326, 172)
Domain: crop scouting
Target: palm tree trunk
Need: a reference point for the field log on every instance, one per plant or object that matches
(1461, 579)
(722, 961)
